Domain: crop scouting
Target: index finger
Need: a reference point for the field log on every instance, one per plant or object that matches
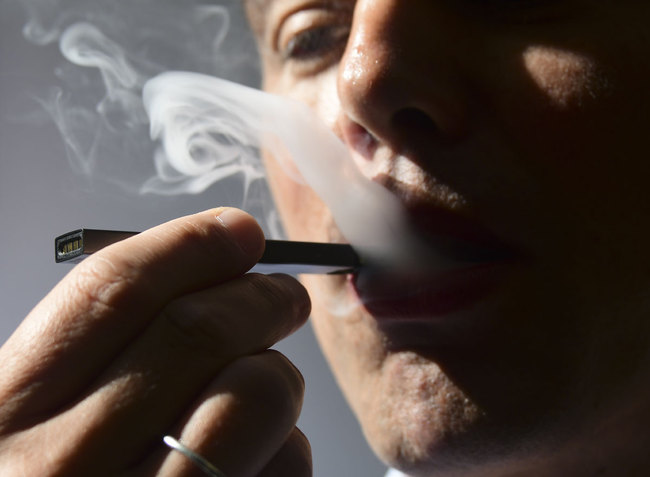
(103, 303)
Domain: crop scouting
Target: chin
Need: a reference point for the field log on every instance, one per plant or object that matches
(414, 418)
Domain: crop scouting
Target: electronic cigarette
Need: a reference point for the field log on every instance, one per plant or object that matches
(280, 256)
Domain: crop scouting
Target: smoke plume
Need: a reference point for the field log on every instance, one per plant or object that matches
(208, 129)
(112, 48)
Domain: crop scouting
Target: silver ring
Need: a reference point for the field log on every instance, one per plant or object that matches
(201, 462)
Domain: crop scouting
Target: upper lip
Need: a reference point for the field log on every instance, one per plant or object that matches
(462, 263)
(450, 234)
(455, 236)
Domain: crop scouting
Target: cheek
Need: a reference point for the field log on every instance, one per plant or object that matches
(583, 136)
(318, 92)
(304, 216)
(565, 78)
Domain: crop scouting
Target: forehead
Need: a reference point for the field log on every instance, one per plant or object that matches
(255, 11)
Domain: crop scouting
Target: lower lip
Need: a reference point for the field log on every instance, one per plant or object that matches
(426, 297)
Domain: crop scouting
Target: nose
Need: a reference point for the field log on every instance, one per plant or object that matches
(397, 81)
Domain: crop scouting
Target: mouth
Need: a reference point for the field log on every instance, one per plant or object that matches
(466, 264)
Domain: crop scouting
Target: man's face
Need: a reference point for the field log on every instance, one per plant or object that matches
(515, 135)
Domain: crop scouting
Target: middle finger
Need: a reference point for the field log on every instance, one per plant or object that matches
(155, 379)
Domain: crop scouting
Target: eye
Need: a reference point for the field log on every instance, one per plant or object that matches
(312, 39)
(316, 43)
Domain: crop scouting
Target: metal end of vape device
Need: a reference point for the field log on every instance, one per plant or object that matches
(280, 256)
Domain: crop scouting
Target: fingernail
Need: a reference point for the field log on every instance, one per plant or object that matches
(243, 228)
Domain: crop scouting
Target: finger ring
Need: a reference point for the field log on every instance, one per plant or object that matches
(201, 462)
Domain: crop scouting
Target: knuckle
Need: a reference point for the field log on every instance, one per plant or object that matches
(299, 448)
(291, 376)
(18, 452)
(104, 284)
(189, 329)
(267, 290)
(215, 323)
(271, 375)
(281, 293)
(294, 458)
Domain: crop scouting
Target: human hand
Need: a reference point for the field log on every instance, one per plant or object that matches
(160, 334)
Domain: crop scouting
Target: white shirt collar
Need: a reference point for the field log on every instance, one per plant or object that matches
(395, 473)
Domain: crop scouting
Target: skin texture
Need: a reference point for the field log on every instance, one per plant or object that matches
(159, 334)
(526, 119)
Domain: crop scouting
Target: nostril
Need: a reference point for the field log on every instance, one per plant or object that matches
(359, 139)
(413, 122)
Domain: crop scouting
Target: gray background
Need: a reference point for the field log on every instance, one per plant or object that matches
(40, 198)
